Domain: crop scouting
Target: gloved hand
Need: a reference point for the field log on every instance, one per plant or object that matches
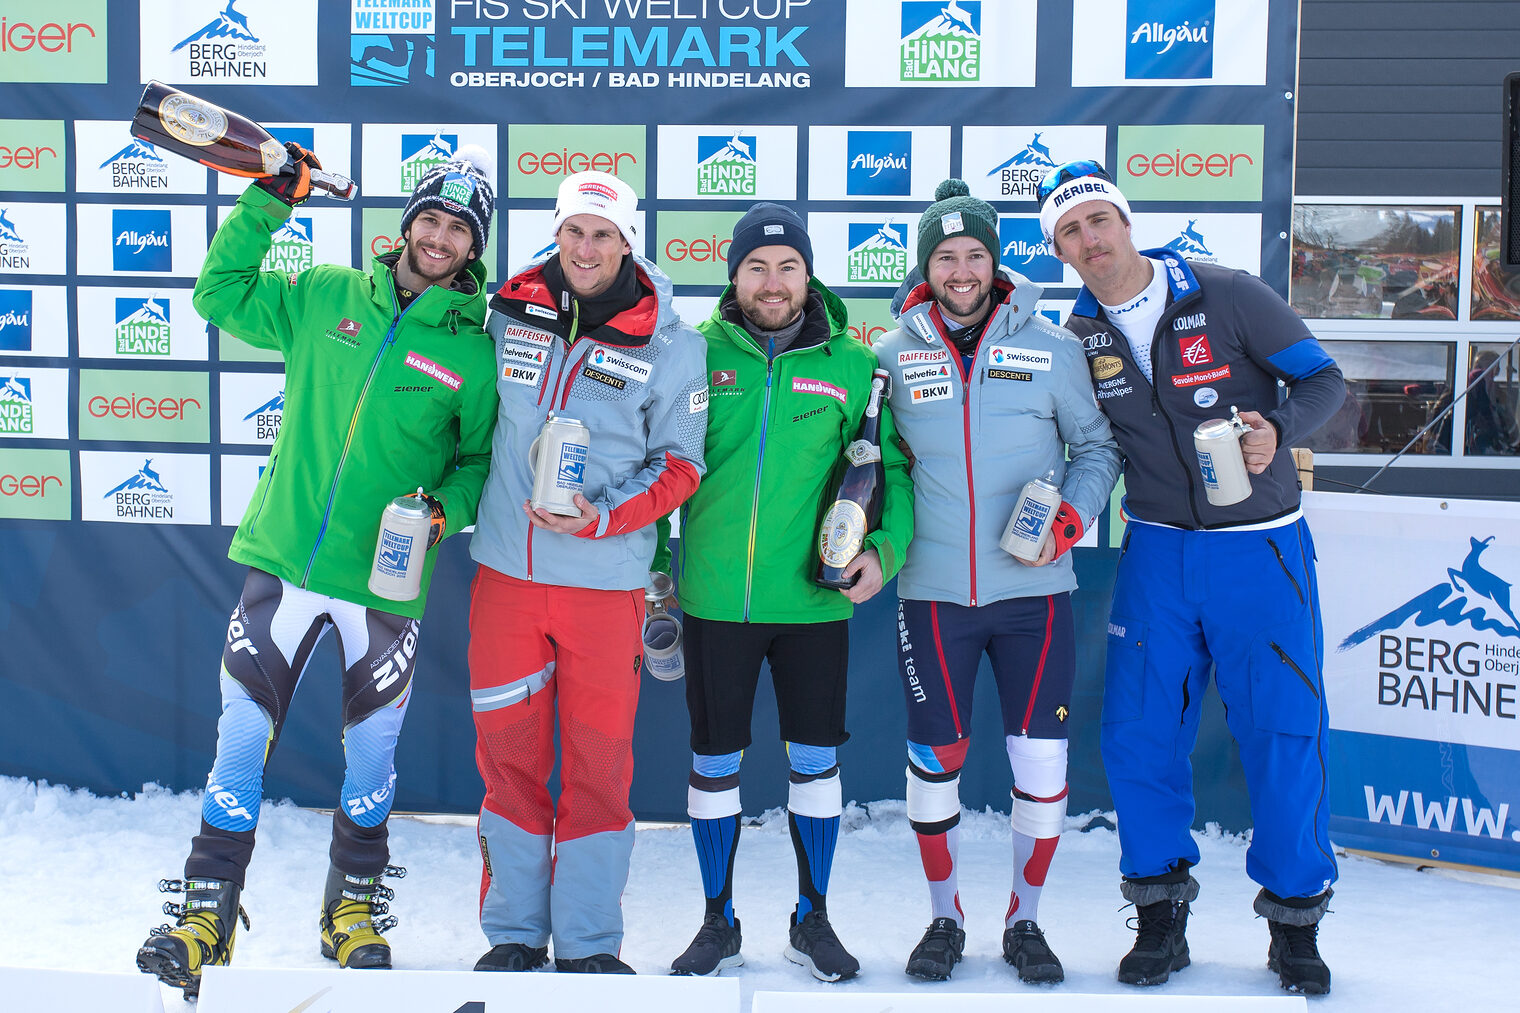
(294, 184)
(1066, 530)
(437, 524)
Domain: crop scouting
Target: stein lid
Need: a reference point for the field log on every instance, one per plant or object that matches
(1214, 429)
(411, 504)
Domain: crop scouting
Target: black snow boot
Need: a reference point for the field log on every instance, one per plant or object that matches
(1160, 943)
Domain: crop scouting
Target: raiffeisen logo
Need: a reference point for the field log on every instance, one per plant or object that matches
(138, 166)
(879, 163)
(267, 417)
(143, 494)
(421, 153)
(15, 251)
(1169, 39)
(141, 239)
(1471, 598)
(142, 326)
(225, 47)
(290, 248)
(1024, 250)
(16, 405)
(878, 252)
(941, 41)
(1020, 175)
(16, 320)
(726, 166)
(1190, 243)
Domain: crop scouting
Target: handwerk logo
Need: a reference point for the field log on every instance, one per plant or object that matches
(421, 153)
(1471, 596)
(226, 47)
(141, 239)
(290, 248)
(1024, 250)
(879, 163)
(16, 405)
(1169, 39)
(16, 320)
(941, 41)
(142, 326)
(877, 252)
(726, 166)
(1020, 175)
(138, 166)
(1190, 242)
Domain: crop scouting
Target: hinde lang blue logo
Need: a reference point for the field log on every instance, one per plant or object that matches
(879, 163)
(1023, 250)
(16, 320)
(141, 239)
(1169, 39)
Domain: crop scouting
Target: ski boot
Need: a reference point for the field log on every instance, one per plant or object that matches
(202, 936)
(351, 926)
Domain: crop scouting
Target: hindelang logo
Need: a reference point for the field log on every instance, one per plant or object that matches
(880, 163)
(143, 494)
(1190, 243)
(16, 320)
(878, 252)
(225, 47)
(726, 166)
(1025, 251)
(15, 251)
(142, 326)
(422, 153)
(141, 239)
(1187, 162)
(941, 41)
(1169, 39)
(138, 166)
(16, 405)
(1020, 175)
(290, 248)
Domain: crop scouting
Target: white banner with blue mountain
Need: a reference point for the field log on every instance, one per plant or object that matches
(1422, 675)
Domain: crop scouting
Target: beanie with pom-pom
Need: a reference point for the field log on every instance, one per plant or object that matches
(462, 187)
(956, 213)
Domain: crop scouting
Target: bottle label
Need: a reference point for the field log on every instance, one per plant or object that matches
(272, 154)
(191, 120)
(862, 452)
(842, 534)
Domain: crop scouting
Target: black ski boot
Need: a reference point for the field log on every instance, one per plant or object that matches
(351, 922)
(202, 935)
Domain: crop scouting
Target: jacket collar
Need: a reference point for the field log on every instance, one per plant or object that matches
(1181, 283)
(430, 307)
(1014, 298)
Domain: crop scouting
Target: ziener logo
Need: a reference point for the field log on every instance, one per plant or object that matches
(941, 41)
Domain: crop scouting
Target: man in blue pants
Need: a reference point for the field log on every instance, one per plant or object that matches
(1173, 344)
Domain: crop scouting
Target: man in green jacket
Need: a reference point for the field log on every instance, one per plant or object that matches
(390, 389)
(787, 390)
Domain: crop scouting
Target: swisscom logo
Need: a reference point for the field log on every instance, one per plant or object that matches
(16, 405)
(16, 320)
(941, 41)
(1169, 39)
(877, 252)
(422, 153)
(142, 239)
(726, 166)
(880, 162)
(142, 326)
(1024, 250)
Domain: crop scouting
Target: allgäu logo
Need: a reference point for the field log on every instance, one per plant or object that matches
(879, 163)
(141, 239)
(16, 320)
(1024, 250)
(1471, 595)
(1169, 39)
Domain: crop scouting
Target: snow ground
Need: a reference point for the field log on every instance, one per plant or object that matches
(78, 884)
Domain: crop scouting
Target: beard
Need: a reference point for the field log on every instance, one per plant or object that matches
(431, 271)
(966, 306)
(773, 317)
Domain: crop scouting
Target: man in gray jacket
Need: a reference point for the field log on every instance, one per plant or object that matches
(988, 395)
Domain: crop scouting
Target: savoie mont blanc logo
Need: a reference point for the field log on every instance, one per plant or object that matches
(138, 166)
(1020, 175)
(941, 41)
(726, 166)
(15, 251)
(290, 248)
(16, 405)
(878, 252)
(143, 494)
(142, 326)
(422, 153)
(225, 47)
(1169, 39)
(16, 320)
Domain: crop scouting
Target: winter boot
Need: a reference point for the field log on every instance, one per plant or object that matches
(815, 946)
(1294, 955)
(513, 957)
(202, 935)
(351, 926)
(1160, 943)
(597, 963)
(715, 947)
(938, 951)
(1025, 948)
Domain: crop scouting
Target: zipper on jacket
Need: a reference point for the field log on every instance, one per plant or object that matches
(1284, 564)
(955, 357)
(754, 507)
(262, 499)
(1294, 665)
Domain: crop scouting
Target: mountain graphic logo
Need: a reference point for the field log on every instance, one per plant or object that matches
(294, 230)
(137, 151)
(726, 165)
(16, 388)
(16, 405)
(274, 404)
(1033, 153)
(389, 61)
(877, 252)
(8, 230)
(145, 478)
(941, 41)
(290, 248)
(1471, 595)
(1189, 242)
(422, 153)
(229, 24)
(142, 326)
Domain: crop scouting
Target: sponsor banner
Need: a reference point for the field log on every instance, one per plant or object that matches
(930, 44)
(870, 319)
(332, 143)
(152, 407)
(200, 42)
(311, 235)
(398, 155)
(694, 308)
(140, 323)
(36, 485)
(693, 246)
(530, 235)
(864, 250)
(1233, 240)
(56, 42)
(391, 42)
(728, 163)
(141, 240)
(392, 17)
(1007, 163)
(1024, 250)
(32, 153)
(34, 321)
(110, 160)
(540, 156)
(1190, 162)
(34, 403)
(252, 405)
(130, 487)
(32, 238)
(877, 164)
(1168, 43)
(240, 477)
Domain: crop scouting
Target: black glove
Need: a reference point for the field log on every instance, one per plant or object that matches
(436, 526)
(293, 184)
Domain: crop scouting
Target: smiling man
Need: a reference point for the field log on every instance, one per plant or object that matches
(586, 332)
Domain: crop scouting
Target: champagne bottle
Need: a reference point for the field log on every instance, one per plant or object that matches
(856, 500)
(221, 139)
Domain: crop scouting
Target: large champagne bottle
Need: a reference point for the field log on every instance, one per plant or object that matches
(219, 138)
(856, 500)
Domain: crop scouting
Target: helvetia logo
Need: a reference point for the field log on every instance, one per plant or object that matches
(1169, 39)
(1020, 175)
(16, 320)
(941, 41)
(879, 163)
(16, 405)
(143, 494)
(422, 153)
(142, 239)
(290, 248)
(225, 47)
(267, 417)
(138, 166)
(1190, 242)
(726, 166)
(15, 251)
(142, 326)
(878, 252)
(1471, 595)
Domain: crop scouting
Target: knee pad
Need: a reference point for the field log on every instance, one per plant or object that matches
(1038, 818)
(235, 786)
(934, 800)
(712, 793)
(817, 795)
(1039, 765)
(810, 759)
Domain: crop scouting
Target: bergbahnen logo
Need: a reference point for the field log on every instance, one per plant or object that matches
(225, 47)
(142, 326)
(290, 248)
(142, 494)
(31, 155)
(877, 252)
(421, 153)
(1169, 39)
(15, 251)
(1190, 243)
(16, 320)
(268, 416)
(941, 41)
(726, 166)
(16, 405)
(1024, 250)
(142, 239)
(880, 163)
(1020, 174)
(137, 166)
